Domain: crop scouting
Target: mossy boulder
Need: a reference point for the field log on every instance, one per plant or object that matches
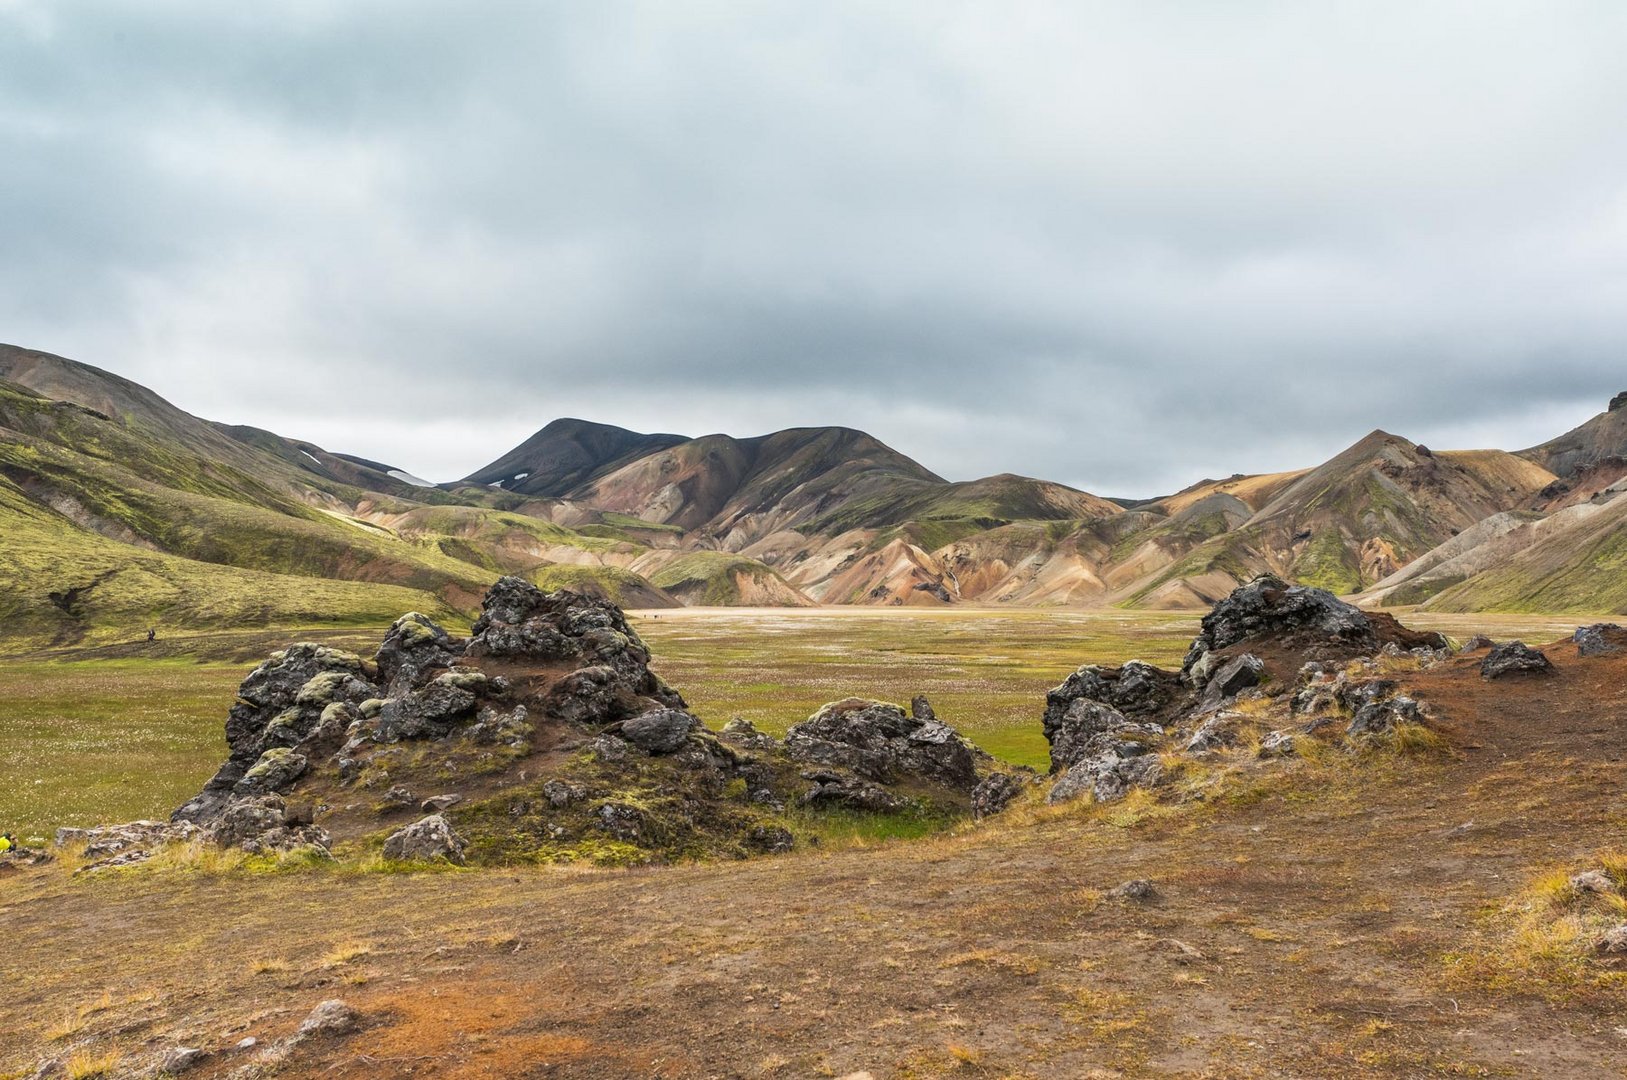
(276, 771)
(414, 647)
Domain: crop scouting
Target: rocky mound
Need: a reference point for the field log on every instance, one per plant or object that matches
(1514, 658)
(1272, 661)
(544, 736)
(1302, 622)
(1600, 639)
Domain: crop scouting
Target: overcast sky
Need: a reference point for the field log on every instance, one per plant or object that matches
(1122, 246)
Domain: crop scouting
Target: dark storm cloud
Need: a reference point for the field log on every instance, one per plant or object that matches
(1122, 246)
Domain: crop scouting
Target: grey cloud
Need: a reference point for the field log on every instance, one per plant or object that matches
(1122, 246)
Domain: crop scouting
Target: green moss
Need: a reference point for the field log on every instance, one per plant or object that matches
(931, 534)
(275, 758)
(627, 521)
(1588, 577)
(1232, 553)
(1416, 592)
(621, 586)
(322, 688)
(708, 577)
(1328, 563)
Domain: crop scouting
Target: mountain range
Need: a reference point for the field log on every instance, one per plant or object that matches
(119, 511)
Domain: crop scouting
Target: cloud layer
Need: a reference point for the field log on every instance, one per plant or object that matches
(1123, 246)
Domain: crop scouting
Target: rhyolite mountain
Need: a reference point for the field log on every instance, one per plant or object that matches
(120, 511)
(1602, 440)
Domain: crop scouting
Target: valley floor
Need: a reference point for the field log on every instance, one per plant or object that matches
(1325, 918)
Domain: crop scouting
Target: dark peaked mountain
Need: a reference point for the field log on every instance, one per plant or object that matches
(566, 454)
(119, 510)
(823, 480)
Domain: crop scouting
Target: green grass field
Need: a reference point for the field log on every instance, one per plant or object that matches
(986, 672)
(112, 734)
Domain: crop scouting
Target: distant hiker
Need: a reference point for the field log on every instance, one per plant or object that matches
(6, 843)
(152, 633)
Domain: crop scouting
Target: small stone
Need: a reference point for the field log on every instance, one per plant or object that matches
(1277, 744)
(1593, 881)
(1514, 658)
(608, 750)
(332, 1017)
(181, 1058)
(425, 841)
(248, 1044)
(437, 803)
(1139, 890)
(561, 793)
(1180, 951)
(1614, 940)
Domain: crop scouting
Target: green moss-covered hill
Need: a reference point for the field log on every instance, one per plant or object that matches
(132, 513)
(120, 512)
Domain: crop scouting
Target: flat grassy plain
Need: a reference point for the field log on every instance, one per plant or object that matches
(123, 732)
(985, 672)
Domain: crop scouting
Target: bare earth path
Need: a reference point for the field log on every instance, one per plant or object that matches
(1322, 922)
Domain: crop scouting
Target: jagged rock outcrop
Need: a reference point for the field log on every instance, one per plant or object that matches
(1103, 727)
(1600, 639)
(879, 741)
(281, 703)
(1269, 606)
(1090, 729)
(1136, 689)
(1266, 654)
(1232, 678)
(999, 790)
(518, 621)
(264, 824)
(1515, 658)
(612, 680)
(414, 647)
(1099, 750)
(661, 731)
(1312, 623)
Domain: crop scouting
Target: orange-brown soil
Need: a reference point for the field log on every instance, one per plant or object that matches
(1332, 917)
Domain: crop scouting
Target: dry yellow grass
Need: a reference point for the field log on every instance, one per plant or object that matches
(88, 1064)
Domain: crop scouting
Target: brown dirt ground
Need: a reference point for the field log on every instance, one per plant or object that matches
(1327, 902)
